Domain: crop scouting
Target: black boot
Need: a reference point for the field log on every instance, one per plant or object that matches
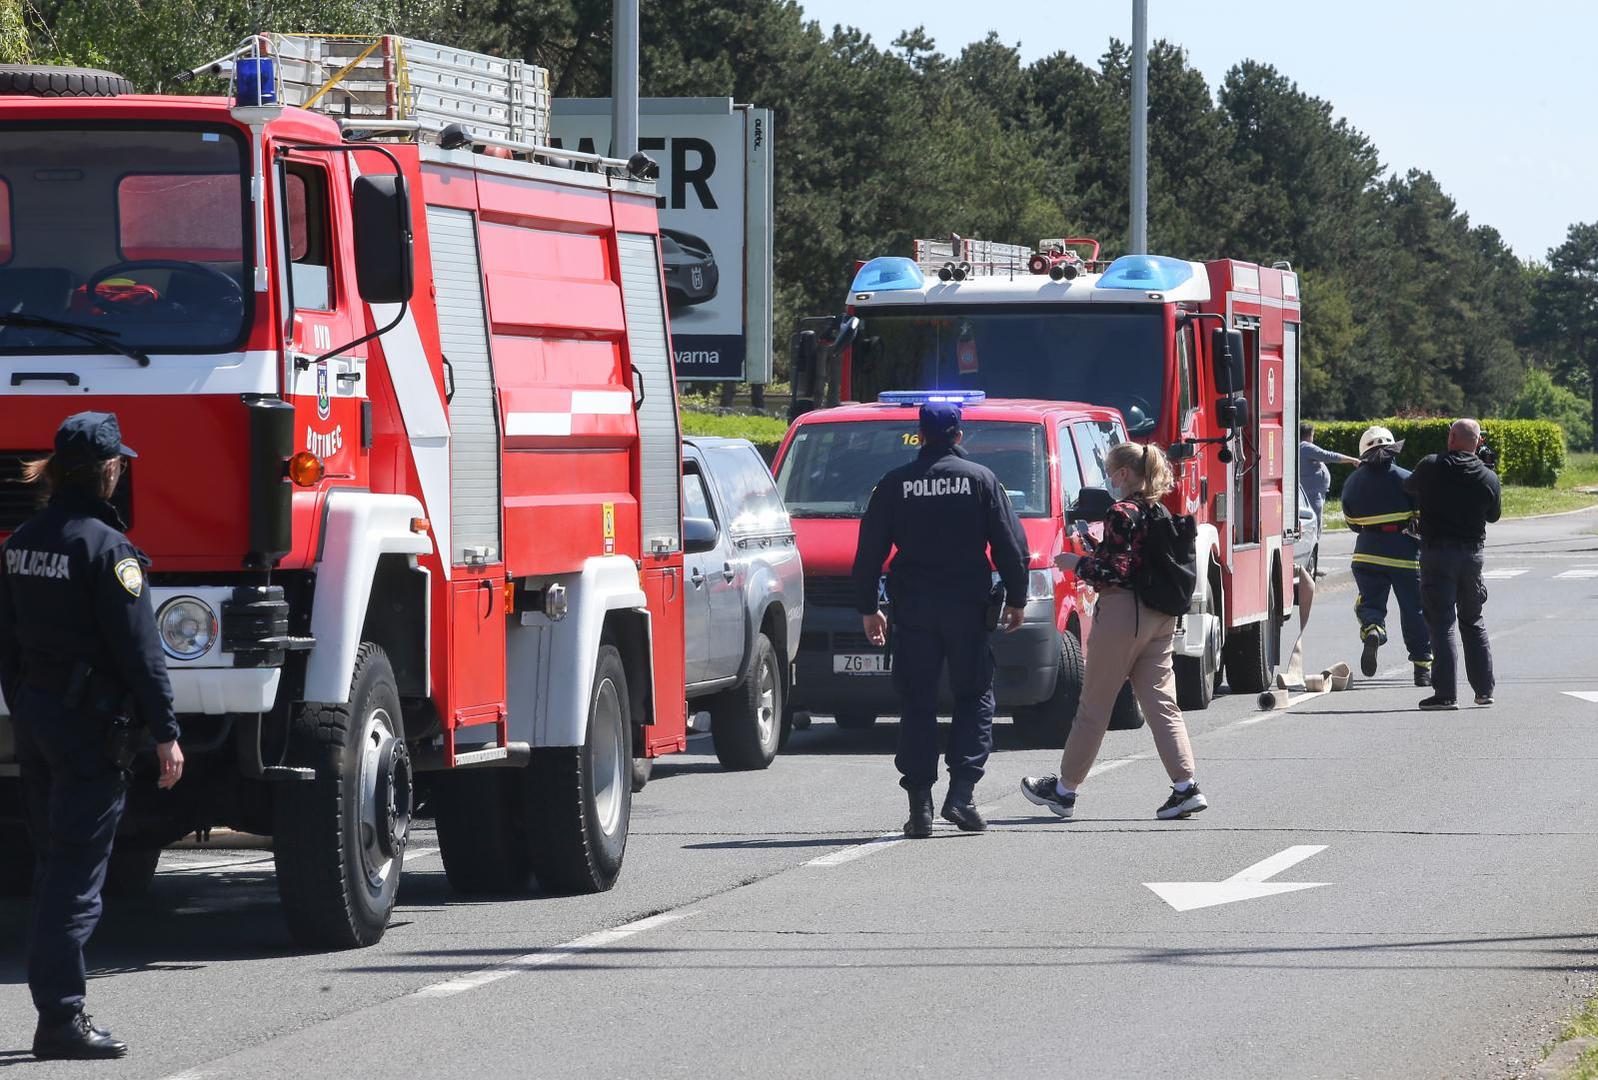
(1423, 675)
(919, 827)
(959, 808)
(76, 1039)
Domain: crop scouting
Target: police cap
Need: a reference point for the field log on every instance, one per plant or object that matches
(91, 436)
(940, 419)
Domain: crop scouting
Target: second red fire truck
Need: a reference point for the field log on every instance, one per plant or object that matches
(1200, 358)
(409, 457)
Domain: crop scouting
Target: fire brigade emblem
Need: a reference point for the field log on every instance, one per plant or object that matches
(130, 575)
(324, 405)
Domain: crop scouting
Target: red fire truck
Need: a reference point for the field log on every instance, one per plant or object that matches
(1200, 358)
(409, 459)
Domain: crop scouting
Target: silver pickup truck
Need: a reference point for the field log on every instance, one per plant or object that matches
(745, 598)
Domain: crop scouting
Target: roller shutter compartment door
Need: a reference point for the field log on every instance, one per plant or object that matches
(650, 352)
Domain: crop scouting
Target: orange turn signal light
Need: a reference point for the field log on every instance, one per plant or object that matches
(420, 525)
(306, 469)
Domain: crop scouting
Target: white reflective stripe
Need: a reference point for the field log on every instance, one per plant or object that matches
(538, 423)
(422, 408)
(169, 374)
(602, 402)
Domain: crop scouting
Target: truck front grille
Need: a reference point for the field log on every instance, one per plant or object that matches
(829, 592)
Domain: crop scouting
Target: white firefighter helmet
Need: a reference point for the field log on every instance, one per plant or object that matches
(1375, 437)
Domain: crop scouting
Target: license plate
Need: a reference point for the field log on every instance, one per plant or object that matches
(861, 664)
(697, 276)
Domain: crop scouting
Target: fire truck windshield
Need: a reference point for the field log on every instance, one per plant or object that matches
(1103, 355)
(830, 469)
(122, 238)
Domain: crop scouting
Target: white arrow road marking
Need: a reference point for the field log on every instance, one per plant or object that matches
(1243, 885)
(1500, 573)
(1583, 695)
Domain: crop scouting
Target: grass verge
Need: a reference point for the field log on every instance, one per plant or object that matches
(1584, 1026)
(1519, 502)
(1581, 470)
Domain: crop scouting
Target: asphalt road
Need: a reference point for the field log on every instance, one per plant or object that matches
(761, 926)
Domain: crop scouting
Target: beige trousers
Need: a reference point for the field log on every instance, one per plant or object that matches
(1127, 643)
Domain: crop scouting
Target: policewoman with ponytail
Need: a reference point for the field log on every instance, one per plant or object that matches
(1130, 640)
(79, 658)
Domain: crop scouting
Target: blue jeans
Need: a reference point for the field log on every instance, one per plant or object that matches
(1451, 589)
(73, 797)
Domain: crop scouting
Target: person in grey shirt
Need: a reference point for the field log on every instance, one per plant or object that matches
(1313, 474)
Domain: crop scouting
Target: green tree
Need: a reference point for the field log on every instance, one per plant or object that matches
(1541, 398)
(1566, 309)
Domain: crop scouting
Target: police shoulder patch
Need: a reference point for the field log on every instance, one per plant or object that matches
(130, 575)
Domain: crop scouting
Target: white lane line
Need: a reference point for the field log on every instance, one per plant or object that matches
(1583, 695)
(1502, 573)
(544, 957)
(1578, 572)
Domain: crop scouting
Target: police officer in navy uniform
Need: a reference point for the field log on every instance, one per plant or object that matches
(79, 657)
(944, 513)
(1386, 552)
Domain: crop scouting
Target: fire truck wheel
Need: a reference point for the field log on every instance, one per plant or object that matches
(1253, 651)
(643, 769)
(47, 81)
(854, 719)
(481, 837)
(131, 869)
(580, 797)
(1196, 676)
(1047, 723)
(746, 721)
(339, 840)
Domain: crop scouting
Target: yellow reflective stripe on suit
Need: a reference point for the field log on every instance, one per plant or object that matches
(1380, 519)
(1382, 560)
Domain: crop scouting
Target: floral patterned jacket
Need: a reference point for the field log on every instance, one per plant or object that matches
(1116, 558)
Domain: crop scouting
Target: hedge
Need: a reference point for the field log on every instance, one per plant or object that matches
(1530, 452)
(765, 432)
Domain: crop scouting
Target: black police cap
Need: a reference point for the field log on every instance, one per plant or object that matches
(91, 436)
(940, 418)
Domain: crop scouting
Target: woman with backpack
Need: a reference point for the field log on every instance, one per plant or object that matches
(1130, 639)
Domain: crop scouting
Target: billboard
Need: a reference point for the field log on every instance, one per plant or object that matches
(715, 222)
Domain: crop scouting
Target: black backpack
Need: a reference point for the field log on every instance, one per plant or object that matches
(1168, 573)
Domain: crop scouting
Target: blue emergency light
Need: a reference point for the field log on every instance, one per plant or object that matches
(932, 397)
(1146, 273)
(255, 81)
(888, 273)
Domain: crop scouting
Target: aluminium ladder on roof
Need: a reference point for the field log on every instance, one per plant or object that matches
(984, 256)
(389, 77)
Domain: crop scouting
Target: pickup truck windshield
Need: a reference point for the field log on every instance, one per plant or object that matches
(130, 234)
(831, 469)
(1103, 355)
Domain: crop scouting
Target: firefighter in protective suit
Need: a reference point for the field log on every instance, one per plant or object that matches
(1386, 554)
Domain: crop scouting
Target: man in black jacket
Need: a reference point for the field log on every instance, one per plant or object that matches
(1458, 495)
(944, 513)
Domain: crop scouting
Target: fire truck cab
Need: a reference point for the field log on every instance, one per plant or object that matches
(1200, 358)
(1043, 452)
(408, 470)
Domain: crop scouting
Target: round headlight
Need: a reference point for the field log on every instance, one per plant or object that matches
(187, 627)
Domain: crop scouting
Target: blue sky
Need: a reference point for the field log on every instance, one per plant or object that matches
(1494, 99)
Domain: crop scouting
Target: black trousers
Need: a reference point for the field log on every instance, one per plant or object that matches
(73, 797)
(1374, 584)
(1451, 590)
(925, 639)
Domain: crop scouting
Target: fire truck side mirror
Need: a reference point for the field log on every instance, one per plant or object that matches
(1092, 504)
(848, 327)
(384, 270)
(802, 350)
(1232, 413)
(1226, 359)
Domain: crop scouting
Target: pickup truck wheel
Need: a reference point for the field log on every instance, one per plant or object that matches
(131, 870)
(1047, 723)
(1253, 651)
(1196, 675)
(481, 834)
(746, 721)
(339, 840)
(579, 799)
(854, 719)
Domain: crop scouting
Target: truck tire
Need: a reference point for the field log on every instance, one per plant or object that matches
(481, 835)
(746, 720)
(1048, 723)
(579, 798)
(34, 80)
(339, 840)
(1253, 651)
(1196, 676)
(854, 719)
(131, 869)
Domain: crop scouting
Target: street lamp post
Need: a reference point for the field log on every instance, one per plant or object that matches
(1138, 241)
(624, 79)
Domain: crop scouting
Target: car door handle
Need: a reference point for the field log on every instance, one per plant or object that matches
(698, 578)
(728, 571)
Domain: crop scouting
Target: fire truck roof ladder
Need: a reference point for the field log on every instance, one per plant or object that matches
(979, 258)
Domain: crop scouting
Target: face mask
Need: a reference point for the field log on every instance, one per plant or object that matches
(1117, 492)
